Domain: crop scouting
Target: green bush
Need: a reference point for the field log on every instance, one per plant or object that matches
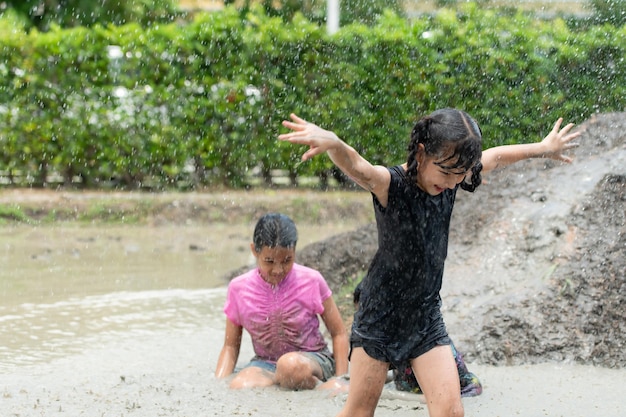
(200, 104)
(609, 11)
(45, 14)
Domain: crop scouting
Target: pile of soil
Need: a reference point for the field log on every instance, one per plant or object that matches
(537, 264)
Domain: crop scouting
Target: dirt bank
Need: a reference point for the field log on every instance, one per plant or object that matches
(44, 206)
(537, 262)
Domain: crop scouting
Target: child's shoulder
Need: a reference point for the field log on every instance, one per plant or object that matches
(243, 278)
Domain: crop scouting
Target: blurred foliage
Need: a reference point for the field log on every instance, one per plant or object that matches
(43, 14)
(367, 11)
(200, 104)
(609, 11)
(446, 3)
(351, 11)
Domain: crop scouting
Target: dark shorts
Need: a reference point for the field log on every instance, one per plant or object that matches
(400, 352)
(323, 358)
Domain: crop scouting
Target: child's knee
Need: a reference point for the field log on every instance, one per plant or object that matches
(294, 371)
(291, 363)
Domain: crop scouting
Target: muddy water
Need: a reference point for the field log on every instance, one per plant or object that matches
(67, 289)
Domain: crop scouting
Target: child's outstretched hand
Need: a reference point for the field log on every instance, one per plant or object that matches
(305, 133)
(559, 141)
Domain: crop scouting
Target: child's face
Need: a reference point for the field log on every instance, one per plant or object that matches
(434, 177)
(274, 263)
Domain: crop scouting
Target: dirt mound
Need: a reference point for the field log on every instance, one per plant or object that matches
(343, 257)
(537, 264)
(581, 315)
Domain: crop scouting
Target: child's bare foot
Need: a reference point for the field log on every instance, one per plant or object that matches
(335, 386)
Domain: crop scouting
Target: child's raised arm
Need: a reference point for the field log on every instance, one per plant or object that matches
(552, 146)
(372, 178)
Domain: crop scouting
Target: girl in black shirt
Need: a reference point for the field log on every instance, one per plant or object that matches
(399, 318)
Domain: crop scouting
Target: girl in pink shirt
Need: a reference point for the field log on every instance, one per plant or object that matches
(278, 303)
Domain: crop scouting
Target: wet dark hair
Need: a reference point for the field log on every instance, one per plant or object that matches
(273, 230)
(356, 294)
(452, 134)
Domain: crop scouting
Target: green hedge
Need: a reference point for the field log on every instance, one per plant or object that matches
(200, 104)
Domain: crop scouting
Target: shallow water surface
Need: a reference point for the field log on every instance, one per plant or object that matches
(66, 289)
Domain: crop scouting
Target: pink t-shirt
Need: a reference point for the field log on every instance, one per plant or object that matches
(279, 319)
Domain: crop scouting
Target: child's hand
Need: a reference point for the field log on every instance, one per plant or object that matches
(305, 133)
(558, 141)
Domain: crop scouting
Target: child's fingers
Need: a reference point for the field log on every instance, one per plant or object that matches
(294, 138)
(567, 128)
(286, 136)
(311, 153)
(571, 136)
(297, 119)
(568, 142)
(296, 123)
(293, 126)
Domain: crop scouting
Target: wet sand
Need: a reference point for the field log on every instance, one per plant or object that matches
(167, 370)
(171, 375)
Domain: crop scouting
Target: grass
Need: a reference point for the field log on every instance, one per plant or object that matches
(13, 213)
(210, 207)
(345, 300)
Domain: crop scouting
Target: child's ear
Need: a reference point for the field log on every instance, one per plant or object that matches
(256, 255)
(420, 155)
